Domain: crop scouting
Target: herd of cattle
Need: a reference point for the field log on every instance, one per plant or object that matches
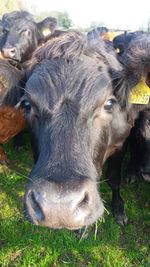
(83, 103)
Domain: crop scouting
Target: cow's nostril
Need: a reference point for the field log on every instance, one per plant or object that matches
(9, 52)
(12, 51)
(36, 207)
(84, 201)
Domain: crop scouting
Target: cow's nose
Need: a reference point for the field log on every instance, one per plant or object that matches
(35, 205)
(9, 52)
(35, 200)
(54, 207)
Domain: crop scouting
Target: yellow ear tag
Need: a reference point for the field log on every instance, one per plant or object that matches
(140, 93)
(46, 31)
(117, 50)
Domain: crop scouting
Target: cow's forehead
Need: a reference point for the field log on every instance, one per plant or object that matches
(13, 21)
(18, 25)
(82, 82)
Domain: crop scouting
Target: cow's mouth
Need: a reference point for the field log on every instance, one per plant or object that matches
(13, 61)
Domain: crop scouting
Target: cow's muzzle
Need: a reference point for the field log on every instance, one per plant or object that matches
(64, 205)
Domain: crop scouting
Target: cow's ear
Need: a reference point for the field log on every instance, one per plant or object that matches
(135, 67)
(47, 27)
(122, 84)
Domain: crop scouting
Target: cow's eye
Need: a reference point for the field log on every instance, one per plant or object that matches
(5, 31)
(25, 104)
(26, 32)
(109, 104)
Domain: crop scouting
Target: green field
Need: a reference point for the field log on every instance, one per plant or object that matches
(108, 245)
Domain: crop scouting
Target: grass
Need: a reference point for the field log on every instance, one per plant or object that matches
(108, 245)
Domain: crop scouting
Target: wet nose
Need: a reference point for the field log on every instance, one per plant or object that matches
(9, 52)
(35, 205)
(71, 210)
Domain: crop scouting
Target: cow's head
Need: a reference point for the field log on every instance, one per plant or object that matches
(77, 118)
(21, 34)
(136, 55)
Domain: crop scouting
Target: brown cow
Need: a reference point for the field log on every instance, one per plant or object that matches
(11, 123)
(11, 120)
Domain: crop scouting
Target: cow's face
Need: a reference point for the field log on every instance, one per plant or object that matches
(75, 123)
(20, 35)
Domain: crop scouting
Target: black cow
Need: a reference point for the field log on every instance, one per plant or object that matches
(138, 140)
(100, 32)
(21, 34)
(77, 110)
(139, 165)
(122, 41)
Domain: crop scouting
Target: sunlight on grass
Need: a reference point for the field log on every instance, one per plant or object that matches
(6, 204)
(104, 244)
